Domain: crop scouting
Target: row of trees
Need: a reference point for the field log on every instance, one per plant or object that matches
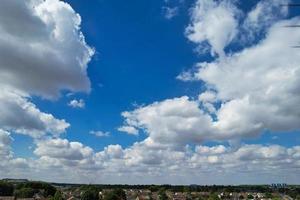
(92, 193)
(26, 190)
(6, 189)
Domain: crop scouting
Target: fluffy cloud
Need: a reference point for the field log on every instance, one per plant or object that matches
(5, 141)
(42, 51)
(268, 75)
(62, 149)
(257, 87)
(8, 162)
(52, 57)
(154, 162)
(247, 92)
(263, 15)
(171, 121)
(21, 116)
(128, 129)
(213, 22)
(77, 103)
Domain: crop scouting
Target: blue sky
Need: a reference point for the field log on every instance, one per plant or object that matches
(139, 54)
(138, 57)
(196, 78)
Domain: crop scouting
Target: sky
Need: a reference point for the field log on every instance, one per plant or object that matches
(150, 92)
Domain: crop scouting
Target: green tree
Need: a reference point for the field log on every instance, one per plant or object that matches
(58, 196)
(213, 196)
(90, 194)
(24, 193)
(6, 189)
(48, 189)
(200, 198)
(116, 194)
(269, 195)
(162, 194)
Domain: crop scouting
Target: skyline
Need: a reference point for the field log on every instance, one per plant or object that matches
(160, 92)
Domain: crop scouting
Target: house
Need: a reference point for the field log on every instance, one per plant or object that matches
(179, 196)
(39, 196)
(143, 197)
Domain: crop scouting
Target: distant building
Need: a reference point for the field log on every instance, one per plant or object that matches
(278, 185)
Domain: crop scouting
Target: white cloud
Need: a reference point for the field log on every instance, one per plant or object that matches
(257, 89)
(266, 95)
(150, 162)
(208, 96)
(42, 51)
(186, 76)
(263, 15)
(42, 48)
(177, 120)
(62, 149)
(170, 12)
(77, 103)
(8, 161)
(5, 142)
(21, 116)
(113, 151)
(129, 129)
(249, 91)
(100, 133)
(213, 22)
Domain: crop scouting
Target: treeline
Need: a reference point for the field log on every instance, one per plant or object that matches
(116, 192)
(191, 188)
(91, 192)
(30, 189)
(26, 190)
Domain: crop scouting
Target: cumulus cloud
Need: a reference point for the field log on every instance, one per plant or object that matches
(263, 15)
(266, 95)
(248, 91)
(254, 89)
(42, 48)
(257, 87)
(42, 51)
(19, 115)
(9, 163)
(129, 129)
(77, 103)
(61, 152)
(171, 121)
(153, 162)
(213, 22)
(5, 141)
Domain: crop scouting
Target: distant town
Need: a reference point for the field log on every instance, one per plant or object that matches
(22, 189)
